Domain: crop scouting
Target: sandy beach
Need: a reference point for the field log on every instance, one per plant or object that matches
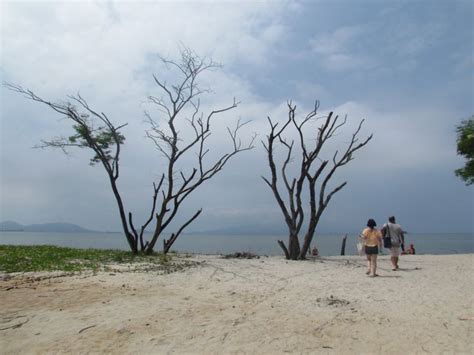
(266, 306)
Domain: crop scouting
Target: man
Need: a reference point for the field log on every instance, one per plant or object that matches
(397, 237)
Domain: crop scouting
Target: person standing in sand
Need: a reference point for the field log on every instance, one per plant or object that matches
(372, 240)
(397, 237)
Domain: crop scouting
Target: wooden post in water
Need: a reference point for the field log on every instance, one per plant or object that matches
(343, 246)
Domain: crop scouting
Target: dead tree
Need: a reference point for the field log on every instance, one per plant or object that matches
(312, 169)
(94, 130)
(179, 100)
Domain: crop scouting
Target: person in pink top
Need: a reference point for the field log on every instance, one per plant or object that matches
(372, 241)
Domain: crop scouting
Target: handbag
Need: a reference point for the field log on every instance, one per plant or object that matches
(387, 240)
(360, 246)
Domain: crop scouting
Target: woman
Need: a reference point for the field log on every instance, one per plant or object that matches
(372, 240)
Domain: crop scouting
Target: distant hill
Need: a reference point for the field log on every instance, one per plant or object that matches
(44, 227)
(11, 226)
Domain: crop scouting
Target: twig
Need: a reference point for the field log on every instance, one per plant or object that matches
(322, 326)
(83, 329)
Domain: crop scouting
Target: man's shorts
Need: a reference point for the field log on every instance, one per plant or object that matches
(395, 251)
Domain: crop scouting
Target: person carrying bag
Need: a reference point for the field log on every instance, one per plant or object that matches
(393, 239)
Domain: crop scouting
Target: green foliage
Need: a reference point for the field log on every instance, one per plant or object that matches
(465, 147)
(15, 258)
(103, 138)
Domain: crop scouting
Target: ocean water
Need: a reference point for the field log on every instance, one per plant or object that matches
(327, 244)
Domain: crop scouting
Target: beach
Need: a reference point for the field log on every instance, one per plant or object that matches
(266, 305)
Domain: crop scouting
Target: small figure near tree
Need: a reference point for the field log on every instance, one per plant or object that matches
(410, 250)
(465, 147)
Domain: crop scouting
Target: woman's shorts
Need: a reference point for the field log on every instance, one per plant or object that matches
(395, 251)
(371, 250)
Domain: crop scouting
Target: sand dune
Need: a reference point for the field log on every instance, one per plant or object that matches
(267, 305)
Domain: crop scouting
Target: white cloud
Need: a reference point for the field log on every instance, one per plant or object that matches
(337, 41)
(70, 45)
(405, 139)
(377, 44)
(337, 49)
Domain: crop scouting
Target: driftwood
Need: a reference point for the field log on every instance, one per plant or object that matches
(343, 246)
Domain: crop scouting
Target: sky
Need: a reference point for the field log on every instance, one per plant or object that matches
(406, 67)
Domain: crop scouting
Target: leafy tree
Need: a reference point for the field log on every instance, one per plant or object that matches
(92, 130)
(465, 147)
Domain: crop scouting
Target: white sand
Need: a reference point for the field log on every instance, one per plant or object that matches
(266, 305)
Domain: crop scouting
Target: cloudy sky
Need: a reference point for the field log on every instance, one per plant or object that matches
(406, 67)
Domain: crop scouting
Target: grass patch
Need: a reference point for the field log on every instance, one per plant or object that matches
(14, 258)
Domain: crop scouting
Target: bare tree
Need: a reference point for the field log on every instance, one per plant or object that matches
(179, 100)
(94, 130)
(311, 170)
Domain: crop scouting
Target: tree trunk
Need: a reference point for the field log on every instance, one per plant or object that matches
(167, 243)
(306, 246)
(309, 235)
(285, 250)
(156, 235)
(130, 238)
(294, 247)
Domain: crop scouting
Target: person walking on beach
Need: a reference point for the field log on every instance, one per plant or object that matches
(397, 237)
(372, 240)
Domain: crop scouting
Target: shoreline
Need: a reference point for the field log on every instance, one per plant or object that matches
(329, 245)
(261, 305)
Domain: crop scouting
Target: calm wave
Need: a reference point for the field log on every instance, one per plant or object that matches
(225, 244)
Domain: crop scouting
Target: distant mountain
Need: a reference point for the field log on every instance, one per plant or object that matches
(45, 227)
(11, 226)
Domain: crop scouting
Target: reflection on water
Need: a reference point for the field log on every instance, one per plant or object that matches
(225, 244)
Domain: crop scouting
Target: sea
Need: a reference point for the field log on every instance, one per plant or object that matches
(327, 244)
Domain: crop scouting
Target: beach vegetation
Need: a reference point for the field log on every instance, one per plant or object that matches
(314, 171)
(465, 148)
(15, 258)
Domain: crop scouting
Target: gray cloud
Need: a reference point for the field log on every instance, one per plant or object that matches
(108, 51)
